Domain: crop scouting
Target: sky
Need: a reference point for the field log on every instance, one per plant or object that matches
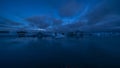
(60, 15)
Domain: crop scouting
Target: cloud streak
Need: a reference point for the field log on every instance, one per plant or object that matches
(63, 15)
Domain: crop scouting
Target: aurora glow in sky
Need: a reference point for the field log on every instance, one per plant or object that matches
(60, 15)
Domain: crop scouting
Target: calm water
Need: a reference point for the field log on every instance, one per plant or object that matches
(59, 53)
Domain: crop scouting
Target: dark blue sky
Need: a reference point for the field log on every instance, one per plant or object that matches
(60, 14)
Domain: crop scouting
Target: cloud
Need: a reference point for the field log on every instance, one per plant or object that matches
(38, 21)
(69, 9)
(57, 22)
(102, 11)
(43, 21)
(8, 23)
(53, 13)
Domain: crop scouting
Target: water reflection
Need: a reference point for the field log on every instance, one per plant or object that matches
(59, 52)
